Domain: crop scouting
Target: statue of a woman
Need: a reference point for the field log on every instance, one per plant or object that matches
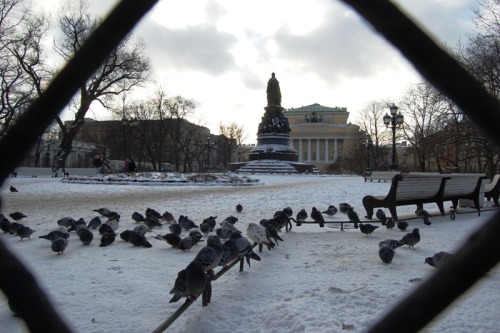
(273, 91)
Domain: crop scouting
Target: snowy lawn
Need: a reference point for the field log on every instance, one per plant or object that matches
(314, 281)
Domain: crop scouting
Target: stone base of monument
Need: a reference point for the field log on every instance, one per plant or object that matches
(270, 166)
(272, 146)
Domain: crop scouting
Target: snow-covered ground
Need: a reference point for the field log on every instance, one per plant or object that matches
(314, 281)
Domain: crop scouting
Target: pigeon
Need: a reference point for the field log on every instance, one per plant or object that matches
(86, 236)
(301, 217)
(288, 211)
(186, 243)
(239, 208)
(142, 229)
(107, 239)
(331, 210)
(205, 228)
(113, 216)
(137, 217)
(411, 238)
(211, 222)
(381, 216)
(5, 225)
(167, 216)
(258, 234)
(73, 226)
(229, 252)
(245, 249)
(17, 216)
(271, 231)
(230, 219)
(94, 223)
(172, 239)
(344, 207)
(423, 214)
(152, 222)
(104, 228)
(438, 259)
(53, 235)
(402, 225)
(210, 255)
(13, 227)
(175, 228)
(151, 212)
(138, 239)
(196, 235)
(13, 189)
(103, 211)
(282, 219)
(114, 224)
(317, 217)
(392, 243)
(125, 235)
(186, 223)
(389, 223)
(66, 222)
(226, 224)
(224, 232)
(190, 282)
(386, 253)
(367, 228)
(353, 216)
(59, 245)
(24, 231)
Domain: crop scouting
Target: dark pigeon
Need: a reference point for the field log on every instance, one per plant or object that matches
(152, 222)
(331, 210)
(210, 255)
(239, 208)
(142, 229)
(344, 207)
(13, 227)
(245, 249)
(186, 223)
(94, 223)
(13, 189)
(137, 217)
(392, 243)
(59, 245)
(17, 216)
(317, 217)
(301, 217)
(288, 212)
(153, 213)
(196, 235)
(402, 225)
(125, 235)
(167, 216)
(229, 252)
(389, 223)
(381, 216)
(24, 231)
(172, 239)
(73, 226)
(367, 228)
(66, 222)
(386, 254)
(353, 217)
(51, 236)
(186, 243)
(175, 228)
(137, 239)
(5, 225)
(423, 214)
(103, 211)
(105, 228)
(107, 239)
(190, 282)
(271, 230)
(412, 238)
(86, 236)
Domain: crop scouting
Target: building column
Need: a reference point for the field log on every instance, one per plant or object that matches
(335, 153)
(326, 151)
(308, 150)
(300, 150)
(317, 150)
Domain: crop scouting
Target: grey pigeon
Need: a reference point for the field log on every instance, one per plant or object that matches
(301, 217)
(73, 226)
(138, 239)
(210, 255)
(13, 227)
(125, 235)
(186, 223)
(137, 217)
(392, 243)
(17, 216)
(288, 211)
(196, 235)
(423, 214)
(171, 238)
(142, 229)
(205, 228)
(229, 252)
(239, 208)
(331, 210)
(175, 228)
(24, 231)
(438, 259)
(380, 214)
(258, 234)
(224, 232)
(59, 245)
(317, 217)
(66, 222)
(86, 236)
(402, 225)
(245, 249)
(51, 236)
(114, 224)
(386, 253)
(103, 211)
(107, 239)
(13, 189)
(367, 228)
(353, 216)
(5, 225)
(389, 223)
(186, 243)
(211, 221)
(190, 282)
(344, 207)
(94, 223)
(411, 238)
(104, 228)
(113, 216)
(230, 219)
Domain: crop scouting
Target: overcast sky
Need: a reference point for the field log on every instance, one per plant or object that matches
(220, 53)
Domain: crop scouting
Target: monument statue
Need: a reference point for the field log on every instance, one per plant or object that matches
(273, 91)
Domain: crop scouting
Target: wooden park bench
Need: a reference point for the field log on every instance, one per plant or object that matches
(380, 175)
(463, 186)
(408, 189)
(492, 190)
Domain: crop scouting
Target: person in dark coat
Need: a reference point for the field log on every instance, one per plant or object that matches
(97, 164)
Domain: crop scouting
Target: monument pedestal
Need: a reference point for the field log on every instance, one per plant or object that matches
(271, 146)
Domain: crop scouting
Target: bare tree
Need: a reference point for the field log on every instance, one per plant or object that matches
(231, 137)
(125, 68)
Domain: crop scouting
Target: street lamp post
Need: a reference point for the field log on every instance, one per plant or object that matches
(394, 120)
(209, 142)
(128, 124)
(368, 143)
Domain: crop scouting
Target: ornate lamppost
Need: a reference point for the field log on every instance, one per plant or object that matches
(128, 124)
(208, 142)
(367, 143)
(394, 120)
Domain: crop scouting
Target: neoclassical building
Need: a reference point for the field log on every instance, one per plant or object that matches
(321, 134)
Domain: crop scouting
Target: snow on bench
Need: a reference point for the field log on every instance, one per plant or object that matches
(380, 175)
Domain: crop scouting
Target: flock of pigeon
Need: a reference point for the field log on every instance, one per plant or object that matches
(225, 244)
